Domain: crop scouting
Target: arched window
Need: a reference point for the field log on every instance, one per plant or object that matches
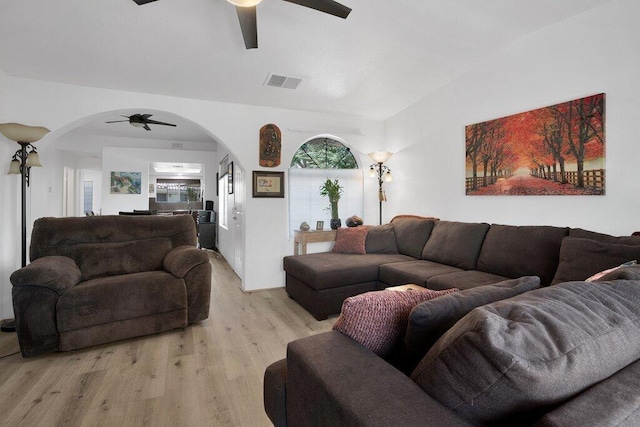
(318, 159)
(324, 153)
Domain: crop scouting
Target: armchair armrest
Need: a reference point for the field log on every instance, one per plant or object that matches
(35, 293)
(58, 273)
(181, 259)
(332, 380)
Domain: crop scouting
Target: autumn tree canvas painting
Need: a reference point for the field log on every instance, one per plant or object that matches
(556, 150)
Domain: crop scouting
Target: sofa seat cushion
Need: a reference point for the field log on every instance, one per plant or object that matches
(329, 270)
(417, 271)
(463, 280)
(513, 251)
(455, 243)
(117, 298)
(516, 359)
(582, 258)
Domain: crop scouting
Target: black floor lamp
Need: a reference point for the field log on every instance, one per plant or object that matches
(382, 172)
(23, 160)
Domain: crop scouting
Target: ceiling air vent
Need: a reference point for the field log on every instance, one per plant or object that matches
(285, 82)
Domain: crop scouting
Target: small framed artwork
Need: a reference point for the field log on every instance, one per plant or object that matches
(319, 225)
(126, 182)
(230, 177)
(268, 184)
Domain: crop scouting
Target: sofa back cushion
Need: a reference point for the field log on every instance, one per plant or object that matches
(516, 359)
(411, 233)
(582, 258)
(114, 258)
(513, 251)
(429, 320)
(605, 238)
(381, 239)
(455, 243)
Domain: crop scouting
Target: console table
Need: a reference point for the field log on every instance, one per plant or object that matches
(301, 238)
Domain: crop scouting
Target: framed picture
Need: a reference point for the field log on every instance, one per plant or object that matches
(126, 182)
(319, 225)
(555, 150)
(230, 177)
(268, 184)
(217, 184)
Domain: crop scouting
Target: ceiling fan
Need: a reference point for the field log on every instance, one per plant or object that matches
(247, 14)
(142, 120)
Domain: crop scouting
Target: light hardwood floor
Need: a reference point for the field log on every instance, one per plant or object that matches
(208, 374)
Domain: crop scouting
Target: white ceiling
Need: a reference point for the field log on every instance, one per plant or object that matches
(384, 57)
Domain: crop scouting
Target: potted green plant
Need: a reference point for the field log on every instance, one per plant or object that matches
(333, 190)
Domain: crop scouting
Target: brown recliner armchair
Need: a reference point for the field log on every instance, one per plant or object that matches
(99, 279)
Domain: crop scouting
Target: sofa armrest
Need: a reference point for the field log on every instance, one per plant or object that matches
(183, 258)
(193, 266)
(57, 273)
(334, 381)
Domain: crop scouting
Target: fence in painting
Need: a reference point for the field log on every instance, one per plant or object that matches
(594, 178)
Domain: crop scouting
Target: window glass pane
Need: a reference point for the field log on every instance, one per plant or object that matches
(324, 153)
(306, 203)
(87, 202)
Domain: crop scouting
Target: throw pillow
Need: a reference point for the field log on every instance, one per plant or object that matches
(351, 240)
(378, 319)
(604, 273)
(506, 362)
(381, 239)
(582, 258)
(429, 320)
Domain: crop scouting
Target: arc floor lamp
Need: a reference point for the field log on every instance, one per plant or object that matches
(382, 172)
(23, 160)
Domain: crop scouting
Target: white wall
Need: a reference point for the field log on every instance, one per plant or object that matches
(138, 160)
(9, 209)
(592, 53)
(62, 107)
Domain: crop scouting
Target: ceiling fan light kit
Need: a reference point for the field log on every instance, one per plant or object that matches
(246, 10)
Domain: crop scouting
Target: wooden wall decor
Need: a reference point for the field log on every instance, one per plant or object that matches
(270, 145)
(556, 150)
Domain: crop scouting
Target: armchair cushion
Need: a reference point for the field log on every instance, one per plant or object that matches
(115, 258)
(58, 273)
(182, 259)
(116, 298)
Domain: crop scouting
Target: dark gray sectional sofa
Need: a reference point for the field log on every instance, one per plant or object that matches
(431, 253)
(546, 349)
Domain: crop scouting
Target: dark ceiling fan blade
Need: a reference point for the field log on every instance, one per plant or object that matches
(248, 25)
(327, 6)
(118, 121)
(146, 127)
(155, 122)
(141, 2)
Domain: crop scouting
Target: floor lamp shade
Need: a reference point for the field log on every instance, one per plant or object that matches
(22, 133)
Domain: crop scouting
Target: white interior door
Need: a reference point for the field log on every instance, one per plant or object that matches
(238, 220)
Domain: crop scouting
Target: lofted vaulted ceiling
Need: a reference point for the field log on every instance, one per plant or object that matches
(384, 57)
